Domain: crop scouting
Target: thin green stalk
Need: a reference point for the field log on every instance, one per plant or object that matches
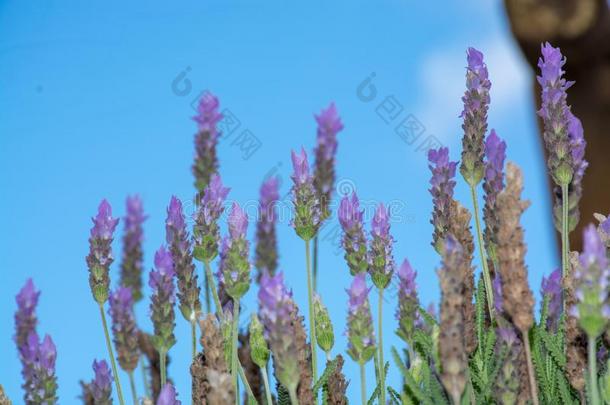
(111, 354)
(565, 235)
(212, 286)
(144, 379)
(267, 388)
(294, 399)
(362, 384)
(206, 286)
(530, 368)
(312, 320)
(194, 337)
(486, 275)
(593, 372)
(315, 263)
(234, 359)
(208, 273)
(162, 357)
(132, 385)
(381, 362)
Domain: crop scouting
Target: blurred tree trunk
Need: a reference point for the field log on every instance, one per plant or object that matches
(581, 28)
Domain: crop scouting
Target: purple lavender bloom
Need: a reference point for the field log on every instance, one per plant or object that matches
(591, 285)
(507, 336)
(306, 201)
(497, 289)
(329, 124)
(276, 306)
(101, 386)
(40, 381)
(124, 328)
(555, 114)
(381, 260)
(551, 288)
(407, 312)
(206, 161)
(100, 252)
(476, 104)
(266, 239)
(131, 263)
(179, 242)
(206, 233)
(442, 184)
(493, 183)
(236, 268)
(168, 396)
(162, 301)
(25, 316)
(354, 239)
(226, 302)
(360, 333)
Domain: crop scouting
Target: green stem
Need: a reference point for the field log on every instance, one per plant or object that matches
(486, 275)
(267, 388)
(194, 337)
(212, 286)
(565, 235)
(206, 286)
(315, 263)
(362, 383)
(312, 320)
(234, 359)
(593, 372)
(294, 400)
(530, 368)
(244, 380)
(144, 379)
(132, 385)
(381, 362)
(111, 354)
(162, 357)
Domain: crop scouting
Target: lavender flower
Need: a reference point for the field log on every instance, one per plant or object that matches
(206, 233)
(442, 184)
(329, 124)
(555, 114)
(360, 333)
(591, 285)
(266, 239)
(131, 263)
(40, 381)
(101, 386)
(603, 228)
(25, 316)
(493, 183)
(306, 201)
(236, 272)
(124, 328)
(178, 240)
(168, 396)
(206, 162)
(100, 252)
(225, 299)
(476, 104)
(408, 303)
(354, 239)
(497, 289)
(551, 288)
(276, 306)
(162, 301)
(381, 261)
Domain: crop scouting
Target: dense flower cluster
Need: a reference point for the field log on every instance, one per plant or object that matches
(133, 236)
(266, 239)
(354, 239)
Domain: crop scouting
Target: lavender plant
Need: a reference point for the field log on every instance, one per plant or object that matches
(487, 346)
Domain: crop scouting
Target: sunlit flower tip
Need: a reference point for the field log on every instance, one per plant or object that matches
(175, 216)
(163, 262)
(358, 293)
(238, 222)
(349, 212)
(207, 113)
(215, 195)
(381, 221)
(300, 167)
(329, 122)
(101, 386)
(168, 396)
(103, 223)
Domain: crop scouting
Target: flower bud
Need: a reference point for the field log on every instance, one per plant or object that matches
(259, 351)
(324, 327)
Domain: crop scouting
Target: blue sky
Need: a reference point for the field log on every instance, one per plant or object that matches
(96, 103)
